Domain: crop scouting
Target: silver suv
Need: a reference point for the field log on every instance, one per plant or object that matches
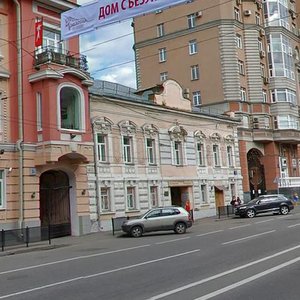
(158, 219)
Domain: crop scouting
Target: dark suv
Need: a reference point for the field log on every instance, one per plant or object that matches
(275, 203)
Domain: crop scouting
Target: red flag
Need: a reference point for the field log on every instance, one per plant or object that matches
(38, 36)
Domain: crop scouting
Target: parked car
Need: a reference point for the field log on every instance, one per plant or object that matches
(159, 219)
(275, 203)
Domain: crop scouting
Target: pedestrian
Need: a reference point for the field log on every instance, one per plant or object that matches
(238, 201)
(295, 198)
(187, 206)
(233, 200)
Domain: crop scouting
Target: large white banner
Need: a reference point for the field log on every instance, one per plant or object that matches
(103, 12)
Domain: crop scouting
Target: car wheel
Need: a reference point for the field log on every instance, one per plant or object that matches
(180, 228)
(250, 213)
(136, 231)
(284, 210)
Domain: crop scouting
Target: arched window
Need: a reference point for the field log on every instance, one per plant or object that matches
(71, 108)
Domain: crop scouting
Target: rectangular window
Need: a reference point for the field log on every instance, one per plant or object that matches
(265, 97)
(162, 54)
(243, 94)
(257, 19)
(195, 72)
(230, 156)
(216, 155)
(102, 147)
(39, 111)
(193, 47)
(154, 196)
(150, 144)
(178, 153)
(127, 149)
(131, 198)
(105, 199)
(197, 98)
(262, 70)
(241, 67)
(163, 76)
(52, 41)
(160, 30)
(191, 20)
(2, 202)
(203, 193)
(239, 42)
(260, 45)
(237, 14)
(200, 154)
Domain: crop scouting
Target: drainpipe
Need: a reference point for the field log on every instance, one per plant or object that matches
(20, 115)
(96, 173)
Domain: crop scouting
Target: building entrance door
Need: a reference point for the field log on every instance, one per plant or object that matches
(55, 203)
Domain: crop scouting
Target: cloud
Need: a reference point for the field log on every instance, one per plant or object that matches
(109, 52)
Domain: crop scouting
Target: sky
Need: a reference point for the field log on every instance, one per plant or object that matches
(108, 46)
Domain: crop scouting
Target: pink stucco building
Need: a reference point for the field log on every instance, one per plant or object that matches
(45, 134)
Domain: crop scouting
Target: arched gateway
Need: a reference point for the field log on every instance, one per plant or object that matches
(55, 202)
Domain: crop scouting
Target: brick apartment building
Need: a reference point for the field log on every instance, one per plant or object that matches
(234, 56)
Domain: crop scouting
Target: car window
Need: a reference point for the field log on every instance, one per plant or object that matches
(154, 214)
(168, 212)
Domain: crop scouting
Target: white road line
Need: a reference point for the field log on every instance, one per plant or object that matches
(72, 259)
(264, 221)
(247, 280)
(207, 233)
(291, 226)
(248, 237)
(193, 284)
(240, 226)
(96, 274)
(175, 240)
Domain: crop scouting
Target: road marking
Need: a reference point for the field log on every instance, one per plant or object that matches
(207, 233)
(240, 226)
(248, 237)
(97, 274)
(291, 226)
(71, 259)
(193, 284)
(247, 280)
(264, 221)
(175, 240)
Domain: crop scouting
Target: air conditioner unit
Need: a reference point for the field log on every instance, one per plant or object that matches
(255, 126)
(198, 14)
(262, 53)
(266, 80)
(293, 15)
(283, 162)
(262, 32)
(255, 120)
(247, 13)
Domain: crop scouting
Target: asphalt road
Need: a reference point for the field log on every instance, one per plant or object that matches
(216, 259)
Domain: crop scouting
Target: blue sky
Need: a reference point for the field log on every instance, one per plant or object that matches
(108, 46)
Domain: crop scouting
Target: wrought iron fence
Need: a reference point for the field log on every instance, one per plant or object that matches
(225, 211)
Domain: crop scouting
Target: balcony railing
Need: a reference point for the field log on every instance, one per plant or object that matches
(50, 55)
(289, 182)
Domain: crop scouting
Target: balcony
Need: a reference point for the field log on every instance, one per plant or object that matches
(289, 182)
(50, 55)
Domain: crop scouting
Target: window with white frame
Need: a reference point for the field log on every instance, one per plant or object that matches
(163, 76)
(265, 96)
(195, 72)
(127, 149)
(52, 40)
(2, 200)
(262, 70)
(150, 146)
(284, 95)
(154, 196)
(131, 198)
(197, 98)
(260, 45)
(178, 157)
(191, 20)
(237, 14)
(243, 94)
(71, 107)
(162, 54)
(200, 154)
(229, 151)
(39, 111)
(193, 47)
(286, 122)
(257, 19)
(203, 191)
(241, 67)
(105, 199)
(216, 156)
(239, 41)
(160, 30)
(102, 147)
